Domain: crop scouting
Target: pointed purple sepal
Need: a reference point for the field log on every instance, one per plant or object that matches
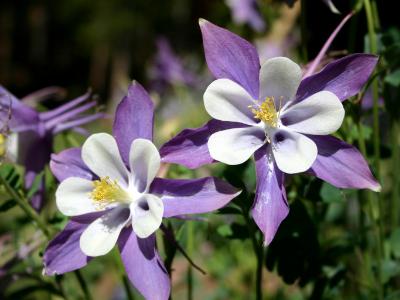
(230, 56)
(342, 165)
(270, 206)
(133, 119)
(344, 77)
(63, 254)
(189, 148)
(144, 266)
(68, 163)
(193, 196)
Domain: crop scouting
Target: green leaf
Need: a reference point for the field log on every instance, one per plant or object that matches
(393, 78)
(330, 194)
(35, 185)
(7, 205)
(389, 269)
(224, 230)
(395, 242)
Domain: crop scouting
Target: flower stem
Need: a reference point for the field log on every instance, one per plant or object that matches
(83, 285)
(190, 253)
(373, 214)
(395, 165)
(26, 207)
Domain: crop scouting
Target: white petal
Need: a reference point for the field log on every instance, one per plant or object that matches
(72, 196)
(101, 235)
(235, 146)
(144, 161)
(226, 100)
(293, 152)
(147, 215)
(279, 78)
(100, 153)
(320, 114)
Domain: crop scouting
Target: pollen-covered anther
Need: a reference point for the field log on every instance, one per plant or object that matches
(106, 191)
(3, 140)
(266, 112)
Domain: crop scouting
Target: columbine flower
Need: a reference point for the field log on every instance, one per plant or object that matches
(284, 121)
(246, 11)
(31, 131)
(109, 189)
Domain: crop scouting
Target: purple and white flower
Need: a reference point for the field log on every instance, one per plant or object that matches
(31, 131)
(269, 111)
(110, 190)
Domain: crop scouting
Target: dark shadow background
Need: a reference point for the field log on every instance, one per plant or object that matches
(78, 43)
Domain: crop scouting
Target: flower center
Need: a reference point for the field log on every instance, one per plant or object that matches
(106, 191)
(266, 112)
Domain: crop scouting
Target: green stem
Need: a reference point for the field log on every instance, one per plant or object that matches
(127, 287)
(26, 207)
(83, 285)
(190, 247)
(395, 166)
(373, 214)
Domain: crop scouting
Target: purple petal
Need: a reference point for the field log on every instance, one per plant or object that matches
(22, 116)
(63, 254)
(133, 119)
(342, 165)
(230, 56)
(189, 148)
(68, 163)
(343, 77)
(193, 196)
(41, 146)
(270, 206)
(144, 266)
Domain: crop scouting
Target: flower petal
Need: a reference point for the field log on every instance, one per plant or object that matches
(101, 235)
(144, 266)
(69, 163)
(230, 56)
(144, 161)
(189, 147)
(225, 100)
(147, 215)
(22, 117)
(343, 77)
(320, 114)
(342, 165)
(133, 119)
(293, 152)
(235, 146)
(73, 196)
(279, 78)
(193, 196)
(100, 153)
(63, 253)
(270, 206)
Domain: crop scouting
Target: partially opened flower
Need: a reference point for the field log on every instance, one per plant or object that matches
(269, 111)
(110, 189)
(32, 132)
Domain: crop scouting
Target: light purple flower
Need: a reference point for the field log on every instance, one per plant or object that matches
(110, 189)
(277, 116)
(246, 11)
(32, 132)
(168, 68)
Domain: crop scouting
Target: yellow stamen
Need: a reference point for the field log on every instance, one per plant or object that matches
(266, 112)
(3, 141)
(106, 191)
